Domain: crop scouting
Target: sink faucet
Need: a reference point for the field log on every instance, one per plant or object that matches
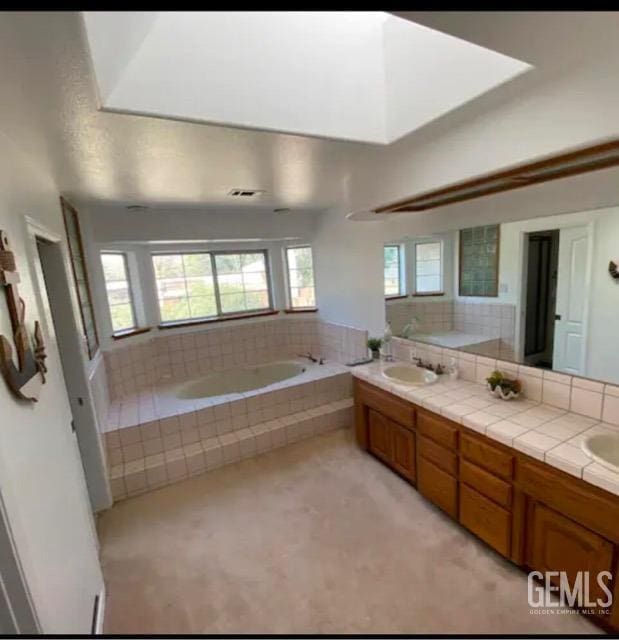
(309, 356)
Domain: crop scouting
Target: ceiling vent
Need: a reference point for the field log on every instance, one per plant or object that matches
(136, 207)
(281, 210)
(245, 193)
(600, 156)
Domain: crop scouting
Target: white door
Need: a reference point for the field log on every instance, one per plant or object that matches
(572, 298)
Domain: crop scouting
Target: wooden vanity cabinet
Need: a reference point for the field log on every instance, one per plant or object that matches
(531, 513)
(392, 443)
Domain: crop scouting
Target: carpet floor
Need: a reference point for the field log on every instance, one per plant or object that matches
(317, 537)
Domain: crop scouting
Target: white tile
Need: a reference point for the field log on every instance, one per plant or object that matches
(610, 412)
(535, 444)
(562, 430)
(559, 378)
(479, 421)
(568, 458)
(556, 394)
(601, 477)
(611, 390)
(505, 431)
(456, 411)
(586, 402)
(588, 385)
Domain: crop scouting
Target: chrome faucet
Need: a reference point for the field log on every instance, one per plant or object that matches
(309, 356)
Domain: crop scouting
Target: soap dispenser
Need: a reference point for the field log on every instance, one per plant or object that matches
(452, 369)
(387, 335)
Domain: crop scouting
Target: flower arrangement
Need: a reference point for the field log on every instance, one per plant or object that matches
(503, 387)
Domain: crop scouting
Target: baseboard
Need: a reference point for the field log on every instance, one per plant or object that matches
(100, 616)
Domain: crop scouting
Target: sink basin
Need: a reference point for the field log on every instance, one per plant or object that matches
(407, 374)
(603, 448)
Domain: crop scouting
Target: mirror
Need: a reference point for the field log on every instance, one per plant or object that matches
(539, 292)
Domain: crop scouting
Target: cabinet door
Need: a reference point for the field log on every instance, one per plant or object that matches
(379, 436)
(556, 543)
(485, 519)
(403, 451)
(438, 487)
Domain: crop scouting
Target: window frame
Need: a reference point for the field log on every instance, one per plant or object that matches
(220, 315)
(422, 294)
(401, 280)
(290, 306)
(135, 328)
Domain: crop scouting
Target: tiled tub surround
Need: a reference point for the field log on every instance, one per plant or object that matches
(131, 368)
(494, 320)
(548, 423)
(154, 439)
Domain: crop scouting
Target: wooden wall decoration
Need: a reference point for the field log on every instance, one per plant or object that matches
(25, 378)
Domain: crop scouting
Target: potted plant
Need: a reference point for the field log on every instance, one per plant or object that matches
(502, 387)
(374, 345)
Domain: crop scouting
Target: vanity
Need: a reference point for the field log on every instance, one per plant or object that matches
(532, 513)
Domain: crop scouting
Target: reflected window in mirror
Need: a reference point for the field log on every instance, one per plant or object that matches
(428, 268)
(393, 271)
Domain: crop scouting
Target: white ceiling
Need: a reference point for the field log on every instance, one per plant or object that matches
(50, 111)
(366, 76)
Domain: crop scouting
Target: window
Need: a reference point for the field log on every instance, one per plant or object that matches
(194, 286)
(300, 277)
(393, 270)
(428, 268)
(118, 291)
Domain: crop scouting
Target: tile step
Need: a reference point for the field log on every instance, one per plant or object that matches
(152, 472)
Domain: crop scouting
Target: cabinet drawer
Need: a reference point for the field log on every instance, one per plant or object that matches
(588, 505)
(485, 519)
(437, 429)
(485, 483)
(443, 458)
(386, 403)
(487, 456)
(437, 486)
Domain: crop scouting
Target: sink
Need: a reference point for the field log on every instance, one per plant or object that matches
(407, 374)
(603, 448)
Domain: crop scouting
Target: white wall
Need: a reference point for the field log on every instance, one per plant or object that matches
(41, 477)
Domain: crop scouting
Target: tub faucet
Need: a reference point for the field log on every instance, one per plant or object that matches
(309, 356)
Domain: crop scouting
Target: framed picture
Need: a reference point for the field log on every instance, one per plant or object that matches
(80, 276)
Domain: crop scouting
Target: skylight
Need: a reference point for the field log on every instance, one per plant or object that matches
(363, 76)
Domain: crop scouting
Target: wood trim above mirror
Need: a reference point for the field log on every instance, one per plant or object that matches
(600, 156)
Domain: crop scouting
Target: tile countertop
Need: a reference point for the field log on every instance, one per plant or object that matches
(539, 430)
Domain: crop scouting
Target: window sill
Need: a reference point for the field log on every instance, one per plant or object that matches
(192, 323)
(302, 310)
(427, 295)
(396, 297)
(129, 333)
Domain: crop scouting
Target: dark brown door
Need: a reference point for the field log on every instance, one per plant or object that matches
(403, 450)
(379, 436)
(556, 543)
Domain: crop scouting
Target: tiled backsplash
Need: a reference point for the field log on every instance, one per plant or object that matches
(580, 395)
(492, 319)
(134, 367)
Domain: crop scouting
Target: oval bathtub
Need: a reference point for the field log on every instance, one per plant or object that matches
(238, 380)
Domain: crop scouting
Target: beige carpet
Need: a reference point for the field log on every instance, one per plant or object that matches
(317, 537)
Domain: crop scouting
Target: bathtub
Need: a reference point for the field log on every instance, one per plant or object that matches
(238, 380)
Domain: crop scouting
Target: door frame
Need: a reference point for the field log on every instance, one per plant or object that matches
(523, 260)
(88, 441)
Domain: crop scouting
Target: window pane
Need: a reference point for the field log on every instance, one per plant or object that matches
(392, 270)
(168, 266)
(186, 284)
(118, 291)
(122, 317)
(197, 264)
(428, 268)
(174, 309)
(301, 277)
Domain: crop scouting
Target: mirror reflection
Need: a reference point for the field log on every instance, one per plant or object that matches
(539, 292)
